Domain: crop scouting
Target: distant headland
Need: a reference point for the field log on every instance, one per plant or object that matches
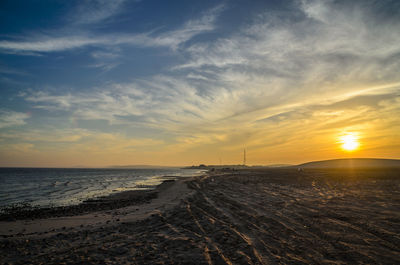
(332, 163)
(353, 163)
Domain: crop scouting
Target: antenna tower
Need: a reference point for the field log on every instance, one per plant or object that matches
(244, 156)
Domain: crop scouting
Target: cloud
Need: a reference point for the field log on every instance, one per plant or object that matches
(46, 135)
(170, 38)
(107, 59)
(105, 66)
(18, 148)
(75, 136)
(95, 11)
(10, 118)
(275, 63)
(105, 55)
(275, 42)
(320, 48)
(190, 29)
(339, 109)
(162, 98)
(49, 44)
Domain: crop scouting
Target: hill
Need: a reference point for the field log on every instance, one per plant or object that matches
(353, 162)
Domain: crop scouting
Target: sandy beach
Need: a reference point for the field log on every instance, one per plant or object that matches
(265, 216)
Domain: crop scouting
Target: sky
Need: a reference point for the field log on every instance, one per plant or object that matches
(97, 83)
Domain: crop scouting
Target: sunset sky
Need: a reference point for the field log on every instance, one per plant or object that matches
(99, 83)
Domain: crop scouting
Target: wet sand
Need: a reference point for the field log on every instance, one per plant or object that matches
(242, 217)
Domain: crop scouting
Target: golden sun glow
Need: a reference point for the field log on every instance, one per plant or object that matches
(349, 142)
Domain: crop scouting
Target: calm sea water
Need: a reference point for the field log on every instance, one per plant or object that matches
(56, 187)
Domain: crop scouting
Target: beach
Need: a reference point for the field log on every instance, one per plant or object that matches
(249, 216)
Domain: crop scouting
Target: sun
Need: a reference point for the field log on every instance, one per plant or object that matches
(349, 142)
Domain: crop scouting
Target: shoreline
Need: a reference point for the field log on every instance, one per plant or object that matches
(109, 202)
(24, 211)
(107, 210)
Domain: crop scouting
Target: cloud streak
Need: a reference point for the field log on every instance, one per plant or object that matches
(95, 11)
(9, 118)
(171, 39)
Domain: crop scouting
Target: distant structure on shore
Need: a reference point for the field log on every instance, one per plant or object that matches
(244, 156)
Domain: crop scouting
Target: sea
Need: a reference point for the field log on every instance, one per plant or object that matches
(51, 187)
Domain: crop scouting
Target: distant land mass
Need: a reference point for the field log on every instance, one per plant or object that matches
(279, 165)
(141, 166)
(353, 162)
(203, 166)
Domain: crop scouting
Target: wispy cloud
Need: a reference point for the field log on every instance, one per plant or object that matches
(284, 72)
(46, 135)
(95, 11)
(49, 44)
(161, 98)
(106, 59)
(105, 66)
(10, 118)
(171, 38)
(105, 55)
(325, 48)
(191, 28)
(269, 63)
